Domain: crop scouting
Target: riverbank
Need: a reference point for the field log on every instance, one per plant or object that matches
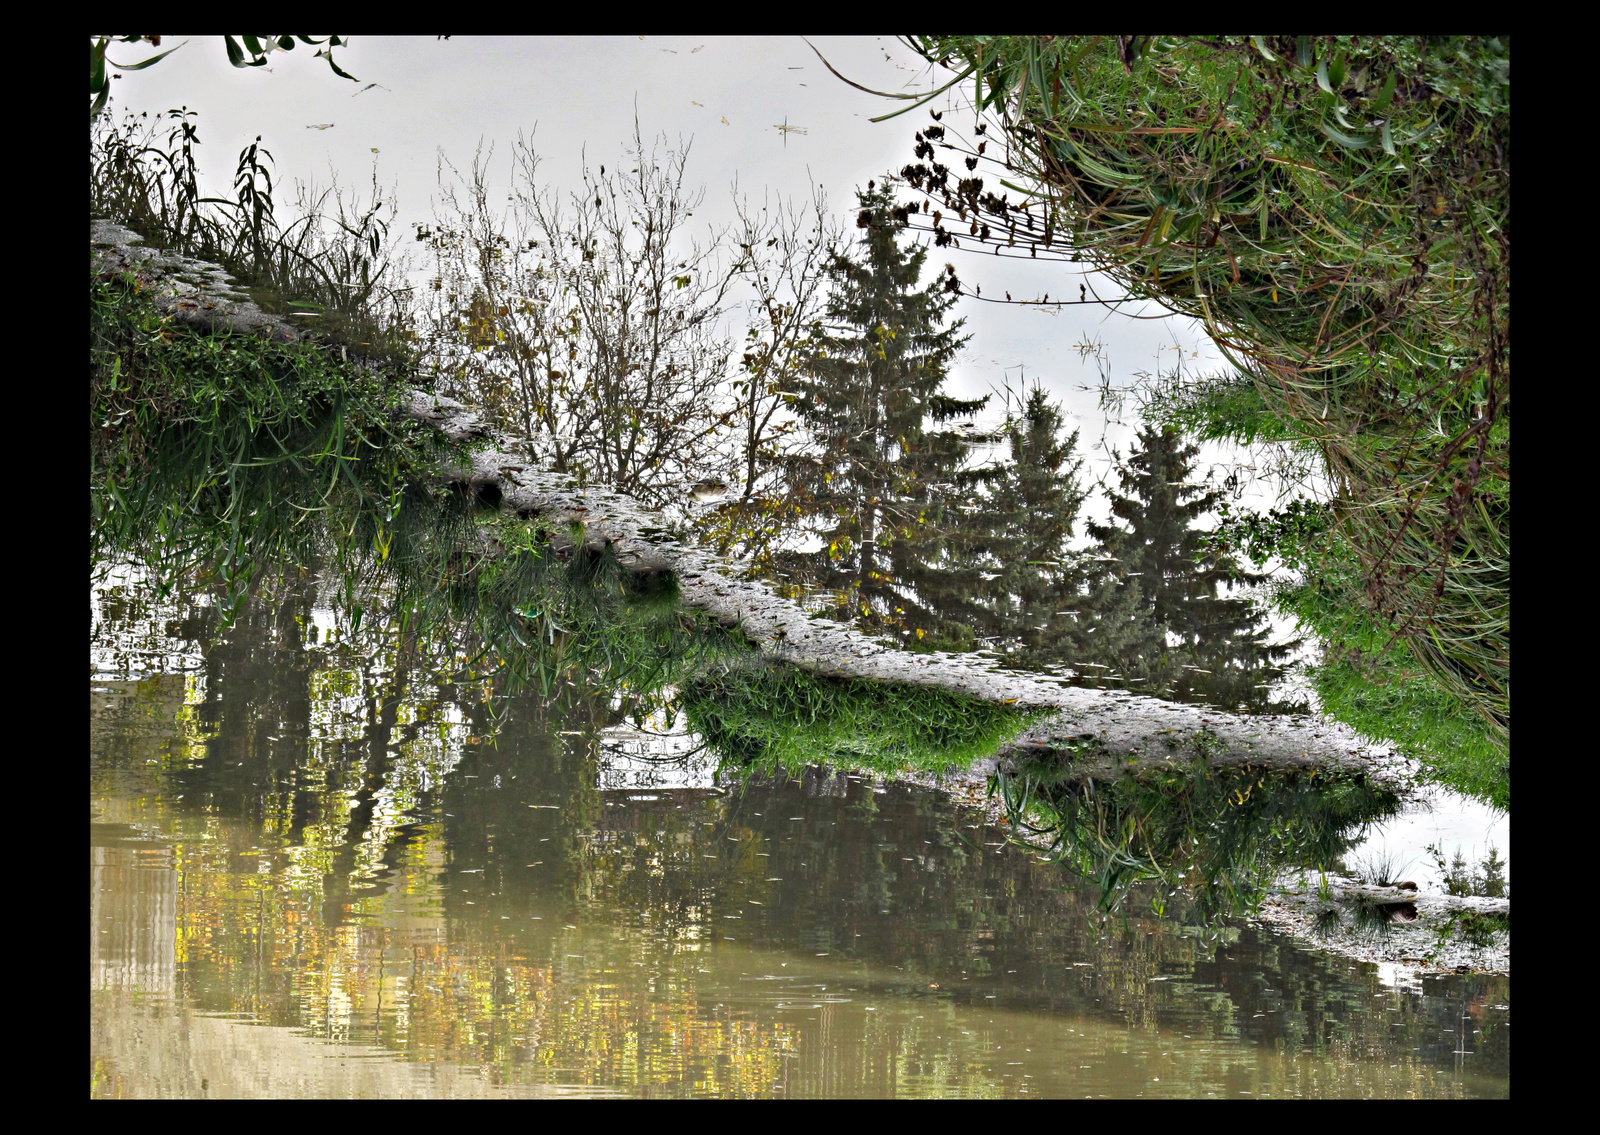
(1110, 727)
(1407, 933)
(1412, 933)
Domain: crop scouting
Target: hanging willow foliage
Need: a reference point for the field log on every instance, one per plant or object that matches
(1336, 212)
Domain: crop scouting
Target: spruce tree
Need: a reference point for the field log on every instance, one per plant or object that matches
(1156, 599)
(1019, 571)
(876, 485)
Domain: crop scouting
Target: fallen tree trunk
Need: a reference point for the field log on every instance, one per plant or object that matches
(1105, 730)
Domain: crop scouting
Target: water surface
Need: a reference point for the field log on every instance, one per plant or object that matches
(319, 869)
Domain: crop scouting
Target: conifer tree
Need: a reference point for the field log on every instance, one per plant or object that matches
(1015, 569)
(1156, 600)
(876, 484)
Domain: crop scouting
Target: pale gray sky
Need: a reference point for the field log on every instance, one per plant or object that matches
(724, 96)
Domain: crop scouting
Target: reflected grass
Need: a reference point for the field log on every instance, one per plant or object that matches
(1216, 836)
(336, 268)
(1381, 870)
(214, 454)
(225, 460)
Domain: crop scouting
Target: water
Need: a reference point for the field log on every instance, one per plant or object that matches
(1443, 819)
(319, 869)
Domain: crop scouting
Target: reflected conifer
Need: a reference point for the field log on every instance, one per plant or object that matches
(875, 488)
(1160, 609)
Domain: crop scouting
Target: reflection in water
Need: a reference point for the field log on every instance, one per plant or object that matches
(305, 848)
(1157, 605)
(1217, 835)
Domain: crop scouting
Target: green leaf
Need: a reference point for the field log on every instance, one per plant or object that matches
(1322, 77)
(146, 63)
(327, 53)
(1386, 93)
(1428, 128)
(1348, 141)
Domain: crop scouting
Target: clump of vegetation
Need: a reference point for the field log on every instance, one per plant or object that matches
(1479, 927)
(1326, 922)
(1217, 834)
(1374, 916)
(1336, 212)
(1379, 871)
(229, 451)
(224, 458)
(1486, 878)
(765, 718)
(334, 269)
(543, 615)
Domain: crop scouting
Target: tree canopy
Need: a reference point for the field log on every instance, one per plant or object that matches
(1335, 210)
(875, 484)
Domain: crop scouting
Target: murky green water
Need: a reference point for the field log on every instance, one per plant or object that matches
(319, 870)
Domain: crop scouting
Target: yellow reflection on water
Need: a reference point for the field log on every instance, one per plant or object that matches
(313, 877)
(204, 944)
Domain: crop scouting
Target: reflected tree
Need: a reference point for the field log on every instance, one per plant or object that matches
(875, 488)
(1014, 576)
(1158, 608)
(591, 326)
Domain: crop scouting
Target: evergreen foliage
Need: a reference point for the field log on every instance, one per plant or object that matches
(1336, 211)
(1157, 607)
(1011, 568)
(876, 486)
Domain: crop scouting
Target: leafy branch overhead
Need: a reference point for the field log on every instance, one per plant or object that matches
(1336, 212)
(243, 51)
